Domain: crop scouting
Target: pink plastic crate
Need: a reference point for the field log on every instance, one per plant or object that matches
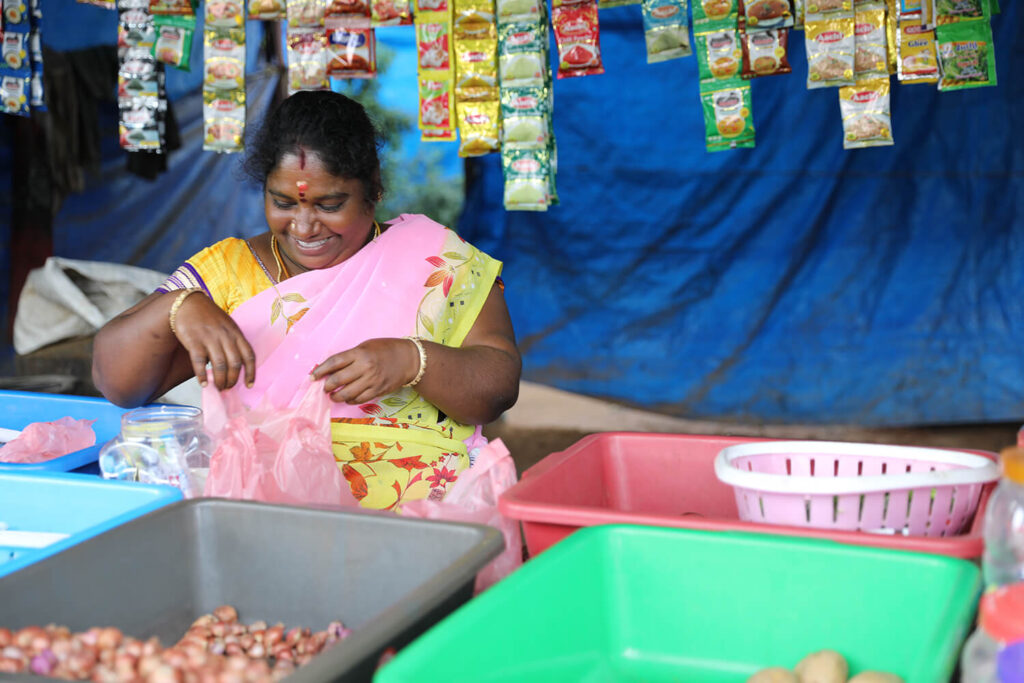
(669, 480)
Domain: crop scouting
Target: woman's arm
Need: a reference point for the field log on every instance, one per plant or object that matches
(472, 384)
(137, 358)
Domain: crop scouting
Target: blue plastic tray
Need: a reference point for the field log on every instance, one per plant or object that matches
(19, 409)
(74, 504)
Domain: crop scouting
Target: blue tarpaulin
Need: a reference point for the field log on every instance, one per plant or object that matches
(794, 282)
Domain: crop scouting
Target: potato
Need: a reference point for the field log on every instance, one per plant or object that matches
(876, 677)
(824, 666)
(775, 674)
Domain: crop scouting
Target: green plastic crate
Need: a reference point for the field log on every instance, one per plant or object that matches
(632, 603)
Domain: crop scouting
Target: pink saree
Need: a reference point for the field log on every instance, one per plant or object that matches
(416, 278)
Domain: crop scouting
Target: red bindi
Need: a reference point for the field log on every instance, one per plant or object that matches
(302, 186)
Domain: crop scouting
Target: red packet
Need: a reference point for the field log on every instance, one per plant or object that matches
(578, 37)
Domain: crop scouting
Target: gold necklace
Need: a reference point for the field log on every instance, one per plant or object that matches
(277, 258)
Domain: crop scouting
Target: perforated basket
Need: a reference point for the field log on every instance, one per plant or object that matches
(854, 486)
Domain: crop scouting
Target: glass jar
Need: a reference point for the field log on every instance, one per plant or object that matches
(160, 445)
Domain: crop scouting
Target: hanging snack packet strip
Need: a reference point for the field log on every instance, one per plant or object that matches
(864, 107)
(435, 69)
(578, 37)
(916, 59)
(36, 98)
(173, 44)
(135, 29)
(714, 15)
(870, 57)
(761, 15)
(719, 57)
(666, 31)
(728, 121)
(764, 53)
(351, 52)
(307, 59)
(966, 55)
(223, 120)
(224, 14)
(830, 52)
(224, 59)
(527, 179)
(475, 76)
(305, 13)
(390, 13)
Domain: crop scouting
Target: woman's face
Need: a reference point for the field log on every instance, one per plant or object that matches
(319, 219)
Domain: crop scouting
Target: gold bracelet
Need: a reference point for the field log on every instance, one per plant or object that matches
(185, 293)
(423, 361)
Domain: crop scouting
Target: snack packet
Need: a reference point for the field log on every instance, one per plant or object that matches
(519, 10)
(307, 59)
(522, 54)
(766, 14)
(140, 128)
(714, 15)
(390, 13)
(728, 122)
(173, 44)
(139, 81)
(910, 8)
(433, 44)
(435, 111)
(15, 13)
(351, 52)
(830, 52)
(476, 70)
(135, 30)
(527, 174)
(353, 13)
(870, 57)
(223, 120)
(224, 58)
(14, 95)
(764, 53)
(267, 10)
(864, 107)
(15, 50)
(666, 32)
(966, 55)
(578, 38)
(224, 14)
(525, 118)
(719, 58)
(916, 59)
(821, 10)
(305, 13)
(479, 128)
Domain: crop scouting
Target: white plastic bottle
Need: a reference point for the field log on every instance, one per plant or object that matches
(1000, 622)
(1003, 559)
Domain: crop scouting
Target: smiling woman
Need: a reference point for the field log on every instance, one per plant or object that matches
(405, 324)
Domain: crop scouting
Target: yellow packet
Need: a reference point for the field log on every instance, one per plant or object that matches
(474, 12)
(479, 128)
(917, 61)
(867, 119)
(870, 57)
(830, 52)
(476, 70)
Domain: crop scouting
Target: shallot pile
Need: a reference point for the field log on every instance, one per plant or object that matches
(217, 648)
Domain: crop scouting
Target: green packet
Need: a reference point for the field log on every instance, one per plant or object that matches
(522, 54)
(966, 55)
(953, 11)
(525, 117)
(528, 179)
(173, 44)
(719, 57)
(728, 122)
(714, 15)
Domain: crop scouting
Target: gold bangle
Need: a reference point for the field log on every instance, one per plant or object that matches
(423, 361)
(185, 293)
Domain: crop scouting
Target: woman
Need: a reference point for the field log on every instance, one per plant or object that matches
(406, 324)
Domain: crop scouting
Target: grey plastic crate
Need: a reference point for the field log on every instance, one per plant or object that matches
(387, 578)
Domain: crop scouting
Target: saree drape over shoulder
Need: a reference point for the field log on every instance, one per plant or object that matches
(417, 278)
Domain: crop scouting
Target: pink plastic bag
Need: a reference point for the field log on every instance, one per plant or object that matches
(42, 441)
(474, 498)
(272, 455)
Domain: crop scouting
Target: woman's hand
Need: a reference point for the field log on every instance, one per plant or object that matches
(375, 368)
(211, 335)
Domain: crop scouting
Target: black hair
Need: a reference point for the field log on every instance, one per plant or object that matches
(334, 127)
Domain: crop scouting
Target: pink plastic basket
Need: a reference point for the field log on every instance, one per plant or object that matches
(902, 490)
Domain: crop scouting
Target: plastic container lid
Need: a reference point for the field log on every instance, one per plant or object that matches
(1001, 613)
(1012, 460)
(1010, 663)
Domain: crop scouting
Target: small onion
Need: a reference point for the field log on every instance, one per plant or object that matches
(6, 637)
(257, 650)
(258, 626)
(9, 665)
(226, 613)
